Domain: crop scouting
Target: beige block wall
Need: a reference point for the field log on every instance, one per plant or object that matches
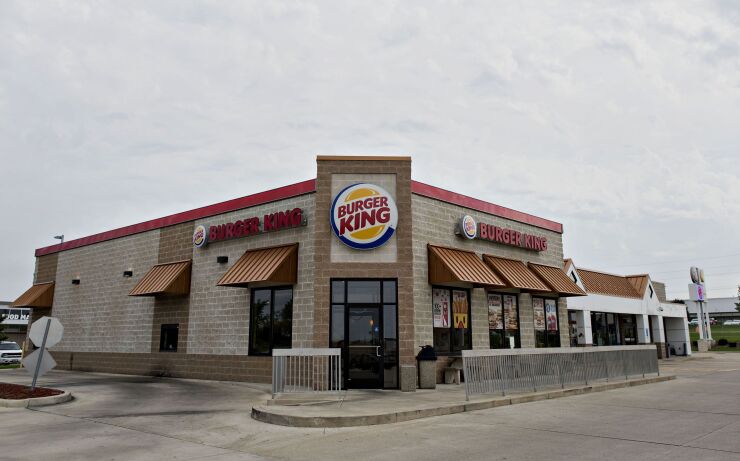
(98, 315)
(219, 316)
(435, 222)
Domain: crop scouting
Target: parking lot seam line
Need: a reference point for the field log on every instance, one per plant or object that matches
(172, 437)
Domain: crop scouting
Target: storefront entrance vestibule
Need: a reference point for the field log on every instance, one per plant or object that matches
(364, 318)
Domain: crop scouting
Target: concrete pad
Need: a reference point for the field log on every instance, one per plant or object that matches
(117, 417)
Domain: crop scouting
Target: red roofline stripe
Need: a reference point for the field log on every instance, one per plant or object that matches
(454, 198)
(293, 190)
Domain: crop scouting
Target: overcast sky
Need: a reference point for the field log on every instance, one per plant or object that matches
(621, 122)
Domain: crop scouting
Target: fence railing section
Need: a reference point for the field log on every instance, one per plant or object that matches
(513, 370)
(306, 370)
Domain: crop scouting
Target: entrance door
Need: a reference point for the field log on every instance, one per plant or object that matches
(365, 347)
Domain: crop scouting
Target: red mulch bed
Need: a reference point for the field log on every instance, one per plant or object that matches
(18, 392)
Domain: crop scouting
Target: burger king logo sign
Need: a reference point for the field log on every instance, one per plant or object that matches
(469, 227)
(364, 216)
(200, 237)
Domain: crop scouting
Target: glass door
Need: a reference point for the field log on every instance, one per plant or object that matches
(365, 348)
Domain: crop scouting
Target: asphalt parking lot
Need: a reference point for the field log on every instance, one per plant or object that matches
(116, 417)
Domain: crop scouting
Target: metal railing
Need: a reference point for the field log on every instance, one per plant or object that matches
(306, 370)
(493, 371)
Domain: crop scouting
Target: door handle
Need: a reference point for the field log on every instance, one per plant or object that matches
(377, 351)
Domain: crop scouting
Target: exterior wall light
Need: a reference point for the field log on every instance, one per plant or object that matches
(76, 280)
(128, 273)
(222, 259)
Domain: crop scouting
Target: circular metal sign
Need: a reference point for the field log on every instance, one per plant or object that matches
(694, 272)
(468, 227)
(36, 332)
(200, 236)
(364, 216)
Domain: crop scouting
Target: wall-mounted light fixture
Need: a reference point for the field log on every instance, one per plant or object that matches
(222, 259)
(128, 273)
(76, 280)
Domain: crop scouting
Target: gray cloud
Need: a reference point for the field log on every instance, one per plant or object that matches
(618, 121)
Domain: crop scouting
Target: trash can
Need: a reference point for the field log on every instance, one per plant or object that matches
(427, 359)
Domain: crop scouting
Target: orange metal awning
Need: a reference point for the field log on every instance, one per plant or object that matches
(39, 295)
(165, 279)
(272, 265)
(449, 265)
(557, 280)
(515, 273)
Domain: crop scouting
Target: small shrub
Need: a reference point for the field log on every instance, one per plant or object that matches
(732, 344)
(722, 342)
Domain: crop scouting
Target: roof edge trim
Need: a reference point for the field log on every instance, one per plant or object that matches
(260, 198)
(454, 198)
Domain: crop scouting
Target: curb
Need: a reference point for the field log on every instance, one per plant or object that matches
(266, 414)
(36, 402)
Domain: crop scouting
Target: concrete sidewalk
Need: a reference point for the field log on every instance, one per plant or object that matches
(373, 407)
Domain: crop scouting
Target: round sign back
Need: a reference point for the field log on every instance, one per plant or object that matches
(36, 332)
(364, 216)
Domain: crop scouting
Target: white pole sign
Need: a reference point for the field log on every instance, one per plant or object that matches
(45, 332)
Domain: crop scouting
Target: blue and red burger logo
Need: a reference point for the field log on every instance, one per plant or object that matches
(468, 227)
(200, 237)
(364, 216)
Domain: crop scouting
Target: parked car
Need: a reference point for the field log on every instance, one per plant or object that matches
(731, 323)
(10, 352)
(694, 322)
(712, 321)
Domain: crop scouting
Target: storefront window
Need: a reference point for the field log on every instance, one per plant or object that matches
(546, 325)
(271, 320)
(573, 328)
(451, 320)
(613, 329)
(503, 321)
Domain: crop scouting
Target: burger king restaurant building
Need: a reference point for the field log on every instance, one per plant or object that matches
(361, 258)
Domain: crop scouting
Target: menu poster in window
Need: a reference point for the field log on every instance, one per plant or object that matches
(510, 316)
(551, 314)
(460, 309)
(495, 316)
(538, 305)
(441, 308)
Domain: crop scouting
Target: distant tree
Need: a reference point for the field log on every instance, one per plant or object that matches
(737, 304)
(3, 336)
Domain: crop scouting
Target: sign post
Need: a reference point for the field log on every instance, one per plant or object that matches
(45, 332)
(698, 293)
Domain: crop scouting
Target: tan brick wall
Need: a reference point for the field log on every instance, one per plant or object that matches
(401, 269)
(98, 315)
(219, 316)
(46, 268)
(176, 243)
(219, 367)
(435, 222)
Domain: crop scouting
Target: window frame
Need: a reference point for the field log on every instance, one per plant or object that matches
(451, 352)
(547, 332)
(251, 349)
(517, 338)
(168, 326)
